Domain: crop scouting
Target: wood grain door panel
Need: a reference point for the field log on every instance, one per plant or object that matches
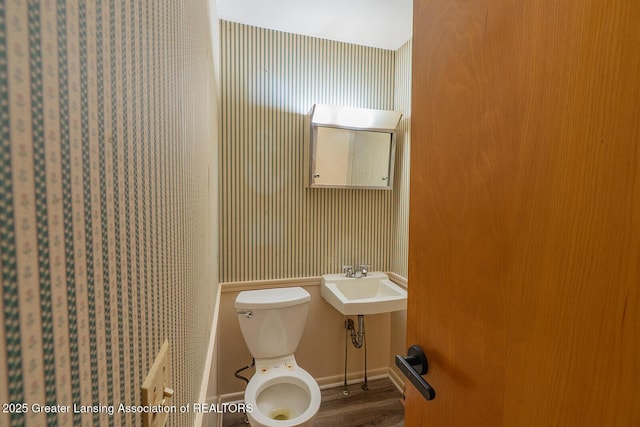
(524, 247)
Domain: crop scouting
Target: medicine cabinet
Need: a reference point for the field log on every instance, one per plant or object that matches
(351, 147)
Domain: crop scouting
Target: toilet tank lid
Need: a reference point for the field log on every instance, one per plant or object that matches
(272, 298)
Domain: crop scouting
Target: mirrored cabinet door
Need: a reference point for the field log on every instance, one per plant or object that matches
(351, 148)
(371, 157)
(332, 157)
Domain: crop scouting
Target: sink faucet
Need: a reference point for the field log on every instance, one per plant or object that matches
(348, 270)
(360, 271)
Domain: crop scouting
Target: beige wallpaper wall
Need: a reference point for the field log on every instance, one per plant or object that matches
(106, 235)
(272, 227)
(400, 211)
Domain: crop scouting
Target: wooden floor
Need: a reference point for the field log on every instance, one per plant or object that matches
(378, 406)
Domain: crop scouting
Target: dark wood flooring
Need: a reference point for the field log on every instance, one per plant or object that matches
(379, 406)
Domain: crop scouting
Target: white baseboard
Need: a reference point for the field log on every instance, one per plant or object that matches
(352, 378)
(397, 380)
(204, 385)
(231, 397)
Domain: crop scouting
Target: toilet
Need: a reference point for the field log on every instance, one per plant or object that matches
(280, 393)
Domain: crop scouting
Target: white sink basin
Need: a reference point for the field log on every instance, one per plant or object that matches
(365, 295)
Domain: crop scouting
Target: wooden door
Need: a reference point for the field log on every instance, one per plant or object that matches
(524, 262)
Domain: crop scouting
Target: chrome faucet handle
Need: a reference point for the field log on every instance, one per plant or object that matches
(364, 268)
(348, 269)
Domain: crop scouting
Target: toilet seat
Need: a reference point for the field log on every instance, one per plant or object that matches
(281, 372)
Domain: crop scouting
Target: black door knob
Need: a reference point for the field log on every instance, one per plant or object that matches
(413, 367)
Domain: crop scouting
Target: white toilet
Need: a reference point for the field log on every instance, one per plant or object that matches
(280, 393)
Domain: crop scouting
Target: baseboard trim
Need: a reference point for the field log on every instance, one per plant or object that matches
(396, 380)
(396, 278)
(266, 284)
(231, 397)
(204, 385)
(352, 378)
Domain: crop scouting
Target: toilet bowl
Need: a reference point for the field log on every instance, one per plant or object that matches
(280, 393)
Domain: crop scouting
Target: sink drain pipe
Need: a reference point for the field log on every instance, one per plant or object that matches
(358, 339)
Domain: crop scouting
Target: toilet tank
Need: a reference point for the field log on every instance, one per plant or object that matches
(276, 320)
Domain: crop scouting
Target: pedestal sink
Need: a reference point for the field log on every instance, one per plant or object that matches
(372, 294)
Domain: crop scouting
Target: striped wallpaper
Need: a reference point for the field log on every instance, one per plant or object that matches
(106, 236)
(400, 213)
(271, 226)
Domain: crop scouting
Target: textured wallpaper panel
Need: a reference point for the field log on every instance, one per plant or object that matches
(271, 225)
(402, 103)
(106, 241)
